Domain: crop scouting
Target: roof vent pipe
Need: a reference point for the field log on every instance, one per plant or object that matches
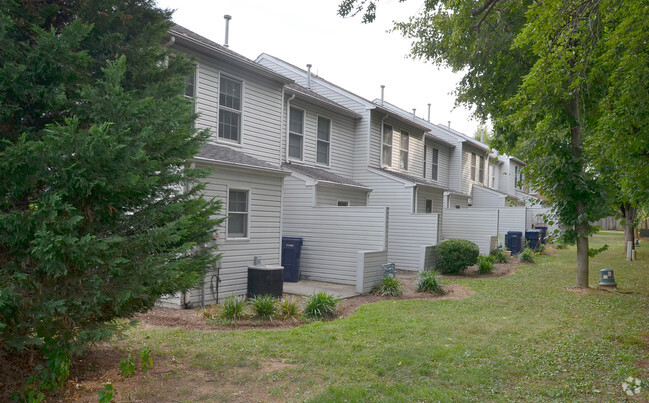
(413, 113)
(227, 29)
(449, 124)
(382, 92)
(429, 112)
(308, 76)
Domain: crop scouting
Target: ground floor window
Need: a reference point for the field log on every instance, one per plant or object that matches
(429, 206)
(343, 203)
(238, 202)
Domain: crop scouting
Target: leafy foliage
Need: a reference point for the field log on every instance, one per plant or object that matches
(390, 286)
(320, 305)
(527, 255)
(455, 255)
(498, 256)
(100, 211)
(429, 281)
(105, 395)
(265, 306)
(485, 264)
(234, 308)
(289, 307)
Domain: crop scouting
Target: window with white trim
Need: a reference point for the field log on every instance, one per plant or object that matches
(404, 150)
(429, 206)
(230, 107)
(425, 159)
(434, 164)
(481, 170)
(343, 203)
(238, 202)
(190, 84)
(474, 158)
(518, 177)
(295, 133)
(387, 146)
(323, 141)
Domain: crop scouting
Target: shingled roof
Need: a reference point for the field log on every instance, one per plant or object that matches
(322, 175)
(227, 155)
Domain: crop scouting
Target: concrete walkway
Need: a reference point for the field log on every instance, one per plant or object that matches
(308, 287)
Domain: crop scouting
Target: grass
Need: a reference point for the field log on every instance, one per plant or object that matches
(525, 337)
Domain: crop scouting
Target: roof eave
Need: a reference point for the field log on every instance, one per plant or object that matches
(266, 170)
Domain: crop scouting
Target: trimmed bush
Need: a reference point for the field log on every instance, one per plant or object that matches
(389, 287)
(499, 256)
(485, 264)
(429, 281)
(455, 255)
(320, 305)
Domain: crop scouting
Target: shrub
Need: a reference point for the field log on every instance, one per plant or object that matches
(455, 255)
(527, 255)
(320, 305)
(264, 306)
(485, 264)
(499, 256)
(429, 281)
(389, 287)
(288, 307)
(234, 308)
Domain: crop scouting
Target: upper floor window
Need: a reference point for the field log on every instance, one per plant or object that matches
(387, 146)
(434, 164)
(474, 158)
(190, 84)
(230, 109)
(295, 133)
(405, 148)
(324, 138)
(238, 213)
(518, 177)
(481, 170)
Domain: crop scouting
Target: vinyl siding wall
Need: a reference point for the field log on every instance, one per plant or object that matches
(475, 225)
(261, 117)
(443, 163)
(329, 196)
(264, 229)
(484, 198)
(467, 183)
(415, 146)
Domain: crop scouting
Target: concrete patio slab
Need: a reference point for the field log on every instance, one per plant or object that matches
(308, 287)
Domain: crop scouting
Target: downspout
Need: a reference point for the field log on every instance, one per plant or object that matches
(288, 114)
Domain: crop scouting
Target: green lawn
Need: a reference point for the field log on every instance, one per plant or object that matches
(523, 337)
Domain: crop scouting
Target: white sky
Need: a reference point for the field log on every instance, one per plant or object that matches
(358, 57)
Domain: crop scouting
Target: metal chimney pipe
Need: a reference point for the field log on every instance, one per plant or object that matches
(308, 76)
(413, 113)
(429, 112)
(382, 92)
(227, 29)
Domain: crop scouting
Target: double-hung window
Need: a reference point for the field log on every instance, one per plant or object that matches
(473, 165)
(429, 206)
(324, 138)
(405, 148)
(434, 164)
(481, 170)
(190, 85)
(295, 133)
(387, 146)
(230, 109)
(238, 213)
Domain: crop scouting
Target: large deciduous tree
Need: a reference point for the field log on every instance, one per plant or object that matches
(100, 212)
(549, 74)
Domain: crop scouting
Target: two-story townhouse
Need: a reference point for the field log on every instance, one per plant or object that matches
(240, 103)
(388, 157)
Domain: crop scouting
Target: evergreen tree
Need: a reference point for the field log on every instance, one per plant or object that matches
(100, 211)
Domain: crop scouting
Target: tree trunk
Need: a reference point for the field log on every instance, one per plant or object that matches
(582, 250)
(629, 226)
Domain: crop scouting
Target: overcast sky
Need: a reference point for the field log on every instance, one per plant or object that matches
(358, 57)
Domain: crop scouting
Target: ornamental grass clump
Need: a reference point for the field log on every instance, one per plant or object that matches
(390, 286)
(234, 308)
(499, 256)
(485, 264)
(455, 255)
(527, 255)
(430, 281)
(289, 308)
(320, 305)
(265, 306)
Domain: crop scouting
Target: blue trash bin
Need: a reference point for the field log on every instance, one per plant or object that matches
(291, 251)
(533, 237)
(513, 241)
(544, 232)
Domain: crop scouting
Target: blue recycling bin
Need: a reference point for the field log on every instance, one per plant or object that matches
(533, 238)
(513, 241)
(544, 232)
(291, 251)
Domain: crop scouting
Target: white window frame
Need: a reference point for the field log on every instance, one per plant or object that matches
(288, 137)
(318, 140)
(474, 161)
(481, 169)
(404, 153)
(231, 110)
(425, 159)
(386, 146)
(434, 165)
(343, 203)
(248, 192)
